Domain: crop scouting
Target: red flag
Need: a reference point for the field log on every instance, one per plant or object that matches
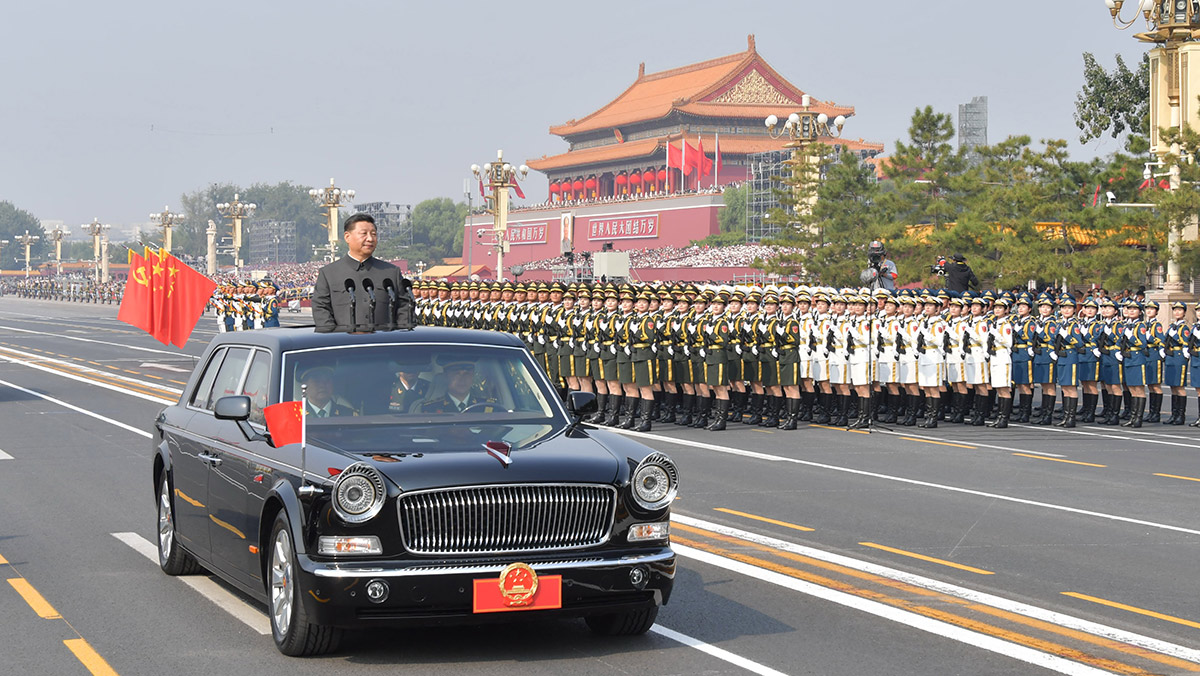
(156, 266)
(703, 165)
(285, 422)
(188, 293)
(695, 158)
(675, 158)
(517, 189)
(481, 193)
(136, 309)
(1096, 197)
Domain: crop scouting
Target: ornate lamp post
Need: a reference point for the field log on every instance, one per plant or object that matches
(27, 241)
(332, 198)
(1173, 26)
(420, 269)
(167, 220)
(98, 232)
(236, 211)
(56, 236)
(803, 128)
(499, 175)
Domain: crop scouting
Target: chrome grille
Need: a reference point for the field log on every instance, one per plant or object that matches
(506, 518)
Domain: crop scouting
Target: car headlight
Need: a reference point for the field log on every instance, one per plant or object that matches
(358, 493)
(655, 482)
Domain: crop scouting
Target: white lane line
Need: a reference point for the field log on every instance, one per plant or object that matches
(70, 376)
(164, 367)
(1060, 619)
(905, 617)
(719, 653)
(225, 600)
(84, 411)
(913, 482)
(1133, 436)
(5, 456)
(35, 359)
(970, 443)
(123, 346)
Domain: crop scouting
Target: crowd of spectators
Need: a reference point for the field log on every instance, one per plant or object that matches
(611, 199)
(736, 256)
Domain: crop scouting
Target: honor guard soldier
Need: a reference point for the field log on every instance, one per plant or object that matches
(1112, 374)
(715, 335)
(886, 339)
(1154, 362)
(975, 365)
(1176, 345)
(667, 322)
(1134, 339)
(270, 303)
(642, 334)
(907, 355)
(1000, 362)
(931, 366)
(1068, 343)
(860, 330)
(1088, 361)
(788, 341)
(1044, 357)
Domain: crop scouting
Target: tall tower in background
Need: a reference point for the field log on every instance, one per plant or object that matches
(972, 127)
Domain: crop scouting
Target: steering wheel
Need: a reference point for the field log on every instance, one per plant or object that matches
(479, 404)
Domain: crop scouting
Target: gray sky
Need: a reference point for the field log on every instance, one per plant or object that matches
(113, 110)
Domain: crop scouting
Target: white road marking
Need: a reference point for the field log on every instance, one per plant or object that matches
(913, 482)
(1132, 436)
(35, 359)
(719, 653)
(84, 411)
(70, 376)
(252, 616)
(5, 456)
(164, 367)
(123, 346)
(1060, 619)
(907, 618)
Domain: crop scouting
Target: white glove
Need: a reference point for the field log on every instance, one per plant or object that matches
(754, 350)
(779, 329)
(671, 350)
(1029, 350)
(708, 329)
(1187, 354)
(628, 351)
(1120, 357)
(1162, 353)
(687, 351)
(1096, 351)
(612, 348)
(541, 339)
(774, 353)
(737, 348)
(703, 353)
(1108, 330)
(1053, 355)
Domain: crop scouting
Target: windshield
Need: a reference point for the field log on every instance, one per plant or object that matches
(376, 387)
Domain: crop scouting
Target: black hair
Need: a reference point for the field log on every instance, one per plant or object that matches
(356, 219)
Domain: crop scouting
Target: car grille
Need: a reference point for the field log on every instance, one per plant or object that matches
(506, 519)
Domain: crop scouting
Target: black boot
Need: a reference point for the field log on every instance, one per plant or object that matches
(864, 414)
(1068, 404)
(822, 408)
(685, 409)
(931, 412)
(1005, 404)
(1112, 409)
(912, 408)
(670, 401)
(737, 405)
(1025, 408)
(807, 400)
(842, 418)
(1127, 400)
(965, 407)
(718, 416)
(1135, 413)
(978, 417)
(703, 408)
(945, 405)
(771, 417)
(614, 410)
(1195, 423)
(986, 405)
(756, 409)
(601, 402)
(630, 417)
(1181, 402)
(646, 413)
(894, 409)
(1047, 409)
(793, 415)
(1154, 409)
(1088, 414)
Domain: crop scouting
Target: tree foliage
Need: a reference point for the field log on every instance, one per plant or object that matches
(438, 226)
(1114, 102)
(13, 222)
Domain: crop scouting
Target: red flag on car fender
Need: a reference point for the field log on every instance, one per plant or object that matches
(285, 422)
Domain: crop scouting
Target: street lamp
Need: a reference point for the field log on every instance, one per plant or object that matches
(167, 220)
(1173, 26)
(27, 241)
(500, 176)
(56, 236)
(332, 198)
(97, 230)
(236, 211)
(803, 128)
(420, 269)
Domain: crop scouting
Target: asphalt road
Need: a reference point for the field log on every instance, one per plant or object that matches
(959, 550)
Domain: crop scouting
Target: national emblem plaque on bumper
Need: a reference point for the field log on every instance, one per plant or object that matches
(518, 588)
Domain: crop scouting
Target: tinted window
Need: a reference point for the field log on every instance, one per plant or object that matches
(229, 375)
(200, 396)
(258, 384)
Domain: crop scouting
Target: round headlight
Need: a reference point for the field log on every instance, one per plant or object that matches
(358, 493)
(655, 482)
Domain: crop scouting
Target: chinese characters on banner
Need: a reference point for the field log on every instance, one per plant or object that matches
(623, 227)
(532, 233)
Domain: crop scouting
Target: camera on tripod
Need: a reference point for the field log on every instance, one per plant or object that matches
(939, 268)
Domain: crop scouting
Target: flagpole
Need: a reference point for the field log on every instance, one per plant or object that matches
(303, 436)
(683, 163)
(717, 159)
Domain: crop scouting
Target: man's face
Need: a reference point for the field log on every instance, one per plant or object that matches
(443, 294)
(494, 294)
(543, 296)
(319, 388)
(461, 377)
(555, 296)
(362, 240)
(506, 295)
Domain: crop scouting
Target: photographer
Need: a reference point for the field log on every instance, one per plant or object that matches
(959, 275)
(881, 273)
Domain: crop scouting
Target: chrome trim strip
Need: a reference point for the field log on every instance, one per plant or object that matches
(333, 571)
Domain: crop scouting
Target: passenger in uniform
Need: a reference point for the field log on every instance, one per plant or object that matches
(318, 393)
(461, 394)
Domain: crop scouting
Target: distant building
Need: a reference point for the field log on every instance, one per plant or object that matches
(271, 242)
(972, 127)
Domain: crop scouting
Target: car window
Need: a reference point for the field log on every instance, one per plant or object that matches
(257, 385)
(200, 396)
(229, 375)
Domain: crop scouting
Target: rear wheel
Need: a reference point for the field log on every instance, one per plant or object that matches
(630, 623)
(171, 557)
(294, 635)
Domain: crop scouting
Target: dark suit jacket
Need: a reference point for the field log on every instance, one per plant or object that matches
(331, 301)
(335, 411)
(446, 404)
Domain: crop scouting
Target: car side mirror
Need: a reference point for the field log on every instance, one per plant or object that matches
(582, 403)
(235, 407)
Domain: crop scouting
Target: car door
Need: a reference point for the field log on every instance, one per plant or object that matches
(232, 512)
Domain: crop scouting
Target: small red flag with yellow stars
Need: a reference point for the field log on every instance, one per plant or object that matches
(285, 422)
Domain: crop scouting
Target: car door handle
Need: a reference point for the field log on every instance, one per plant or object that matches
(210, 459)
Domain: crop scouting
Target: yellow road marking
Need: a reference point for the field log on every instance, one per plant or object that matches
(1176, 476)
(3, 561)
(755, 429)
(101, 378)
(35, 600)
(95, 362)
(1072, 462)
(178, 382)
(785, 524)
(1132, 609)
(939, 443)
(148, 375)
(89, 657)
(930, 559)
(838, 429)
(935, 597)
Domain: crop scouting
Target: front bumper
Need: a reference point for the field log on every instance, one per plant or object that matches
(441, 592)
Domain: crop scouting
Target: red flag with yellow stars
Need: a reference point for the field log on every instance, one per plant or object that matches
(188, 293)
(285, 422)
(136, 306)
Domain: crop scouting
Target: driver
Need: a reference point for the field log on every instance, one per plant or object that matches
(460, 391)
(318, 382)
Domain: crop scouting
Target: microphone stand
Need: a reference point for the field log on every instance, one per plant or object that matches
(353, 306)
(391, 292)
(369, 287)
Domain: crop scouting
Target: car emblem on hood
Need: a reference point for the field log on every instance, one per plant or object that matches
(499, 450)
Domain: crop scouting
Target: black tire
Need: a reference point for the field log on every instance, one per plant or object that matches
(631, 623)
(172, 558)
(294, 635)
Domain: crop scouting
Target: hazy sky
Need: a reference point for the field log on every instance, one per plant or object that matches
(113, 110)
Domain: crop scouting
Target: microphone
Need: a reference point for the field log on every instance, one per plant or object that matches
(369, 287)
(390, 287)
(353, 312)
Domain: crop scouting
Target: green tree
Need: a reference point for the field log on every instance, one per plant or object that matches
(437, 226)
(1114, 102)
(13, 222)
(732, 216)
(284, 201)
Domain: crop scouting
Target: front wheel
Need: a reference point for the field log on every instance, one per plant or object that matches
(171, 557)
(630, 623)
(294, 635)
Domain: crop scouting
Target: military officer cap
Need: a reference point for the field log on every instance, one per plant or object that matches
(930, 299)
(665, 293)
(786, 296)
(569, 293)
(267, 284)
(646, 294)
(753, 296)
(626, 294)
(802, 296)
(1045, 300)
(988, 296)
(1003, 302)
(1129, 302)
(880, 293)
(738, 294)
(1090, 302)
(556, 286)
(1107, 302)
(770, 297)
(583, 292)
(1066, 301)
(610, 291)
(943, 294)
(958, 301)
(1179, 305)
(1152, 304)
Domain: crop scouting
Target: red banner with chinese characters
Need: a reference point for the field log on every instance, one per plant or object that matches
(638, 226)
(528, 233)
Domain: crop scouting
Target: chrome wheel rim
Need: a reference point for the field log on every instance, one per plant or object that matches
(281, 582)
(166, 525)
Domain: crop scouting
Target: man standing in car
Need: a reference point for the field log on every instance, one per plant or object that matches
(342, 300)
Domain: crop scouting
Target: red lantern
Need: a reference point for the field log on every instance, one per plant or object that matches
(577, 185)
(662, 175)
(635, 178)
(648, 178)
(554, 188)
(621, 179)
(590, 183)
